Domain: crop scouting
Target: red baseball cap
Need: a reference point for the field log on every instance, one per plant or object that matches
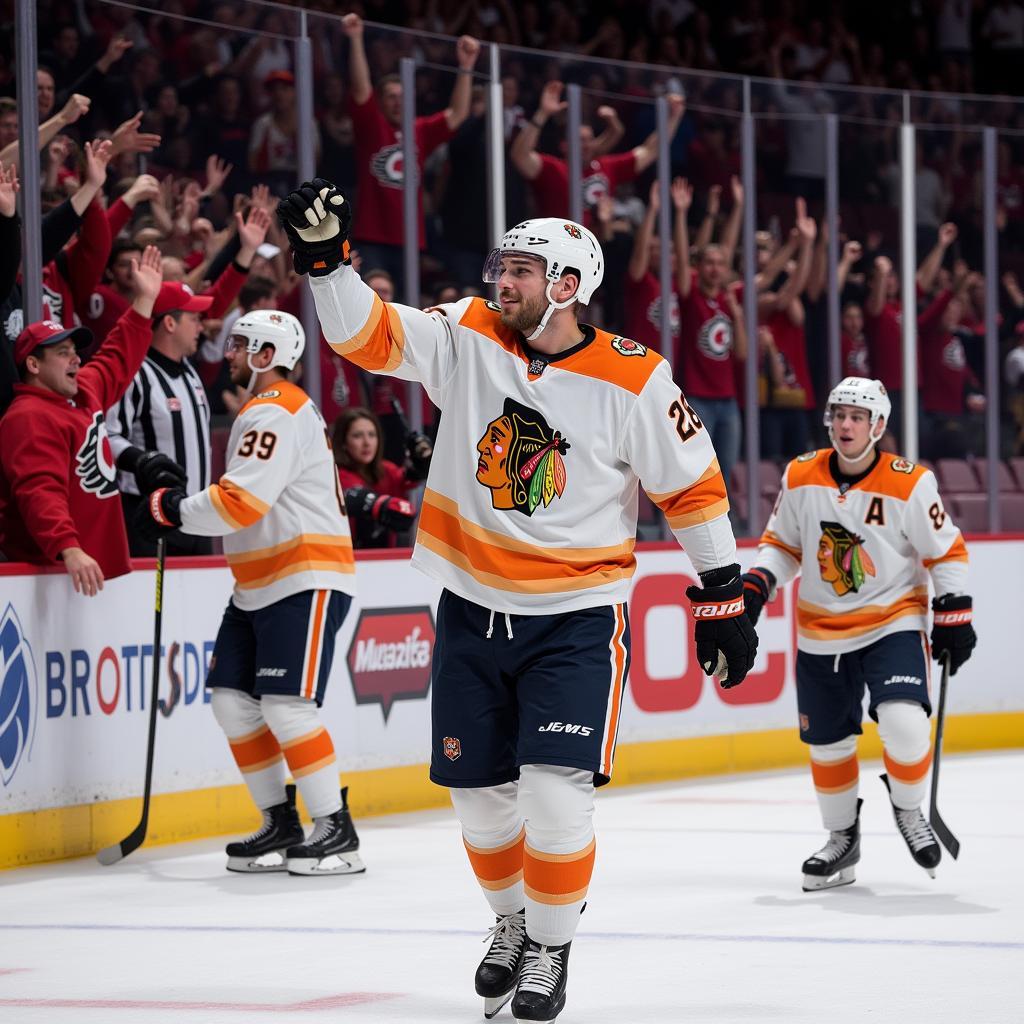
(174, 296)
(282, 76)
(48, 332)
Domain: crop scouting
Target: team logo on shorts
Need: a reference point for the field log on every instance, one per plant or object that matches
(805, 723)
(520, 459)
(628, 347)
(842, 560)
(452, 747)
(573, 231)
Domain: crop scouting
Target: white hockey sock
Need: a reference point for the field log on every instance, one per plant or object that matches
(308, 749)
(492, 830)
(836, 777)
(255, 750)
(558, 806)
(907, 739)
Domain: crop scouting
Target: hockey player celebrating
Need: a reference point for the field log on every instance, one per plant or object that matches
(529, 523)
(287, 541)
(866, 529)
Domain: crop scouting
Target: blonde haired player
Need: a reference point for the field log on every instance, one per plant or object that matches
(867, 531)
(286, 539)
(529, 523)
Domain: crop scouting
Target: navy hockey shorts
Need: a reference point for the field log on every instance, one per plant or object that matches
(830, 691)
(285, 648)
(550, 694)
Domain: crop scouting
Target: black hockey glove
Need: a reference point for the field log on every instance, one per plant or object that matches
(725, 639)
(952, 632)
(160, 513)
(419, 450)
(152, 470)
(391, 512)
(316, 218)
(758, 589)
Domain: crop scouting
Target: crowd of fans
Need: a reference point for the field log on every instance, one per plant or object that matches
(159, 130)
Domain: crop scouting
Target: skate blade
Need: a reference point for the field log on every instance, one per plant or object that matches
(812, 883)
(494, 1003)
(336, 864)
(264, 863)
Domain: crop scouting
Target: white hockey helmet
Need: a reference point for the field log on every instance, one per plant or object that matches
(862, 393)
(562, 245)
(261, 327)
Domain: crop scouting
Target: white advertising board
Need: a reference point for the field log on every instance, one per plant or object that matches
(75, 674)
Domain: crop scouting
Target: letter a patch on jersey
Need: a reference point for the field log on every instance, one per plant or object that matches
(521, 459)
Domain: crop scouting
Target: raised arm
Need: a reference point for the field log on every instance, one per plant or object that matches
(734, 224)
(360, 83)
(682, 197)
(878, 287)
(797, 281)
(852, 253)
(75, 108)
(640, 259)
(467, 49)
(647, 152)
(932, 263)
(706, 230)
(524, 149)
(612, 132)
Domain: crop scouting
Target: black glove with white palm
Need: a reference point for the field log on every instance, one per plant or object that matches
(317, 219)
(725, 639)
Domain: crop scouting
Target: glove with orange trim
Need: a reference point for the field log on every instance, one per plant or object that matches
(758, 590)
(160, 513)
(952, 632)
(317, 218)
(725, 639)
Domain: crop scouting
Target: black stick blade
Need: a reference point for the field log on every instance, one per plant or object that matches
(112, 854)
(948, 840)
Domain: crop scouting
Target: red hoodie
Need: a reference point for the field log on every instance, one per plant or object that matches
(57, 485)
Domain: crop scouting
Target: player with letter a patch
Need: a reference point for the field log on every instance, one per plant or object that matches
(287, 542)
(529, 523)
(866, 530)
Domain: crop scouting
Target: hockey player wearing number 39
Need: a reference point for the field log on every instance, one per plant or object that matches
(529, 523)
(865, 530)
(286, 538)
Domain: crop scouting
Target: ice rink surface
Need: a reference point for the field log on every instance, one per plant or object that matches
(696, 915)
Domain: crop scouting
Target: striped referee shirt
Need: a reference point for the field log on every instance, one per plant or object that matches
(164, 409)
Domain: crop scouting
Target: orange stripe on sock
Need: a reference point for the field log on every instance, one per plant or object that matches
(500, 866)
(558, 878)
(908, 773)
(835, 776)
(309, 753)
(256, 750)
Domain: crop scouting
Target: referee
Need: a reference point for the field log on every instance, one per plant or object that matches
(160, 430)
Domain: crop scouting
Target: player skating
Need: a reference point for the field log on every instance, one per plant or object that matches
(287, 541)
(866, 530)
(529, 523)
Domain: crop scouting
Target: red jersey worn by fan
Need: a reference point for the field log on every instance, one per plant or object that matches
(602, 177)
(706, 345)
(57, 488)
(856, 362)
(378, 216)
(393, 482)
(946, 373)
(797, 390)
(643, 312)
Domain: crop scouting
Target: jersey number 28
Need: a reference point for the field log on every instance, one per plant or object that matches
(687, 421)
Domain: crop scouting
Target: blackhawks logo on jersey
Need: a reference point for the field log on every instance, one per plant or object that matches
(521, 459)
(842, 560)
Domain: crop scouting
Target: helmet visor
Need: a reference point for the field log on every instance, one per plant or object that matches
(492, 265)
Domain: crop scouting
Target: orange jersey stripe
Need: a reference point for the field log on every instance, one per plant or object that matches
(705, 499)
(256, 750)
(817, 623)
(308, 753)
(328, 554)
(615, 699)
(236, 506)
(379, 345)
(501, 866)
(907, 773)
(313, 651)
(284, 394)
(957, 553)
(555, 878)
(772, 538)
(835, 776)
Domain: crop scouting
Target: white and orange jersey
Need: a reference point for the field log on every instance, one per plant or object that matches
(865, 552)
(531, 502)
(278, 505)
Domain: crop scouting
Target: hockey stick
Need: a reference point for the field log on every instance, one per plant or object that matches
(948, 840)
(131, 842)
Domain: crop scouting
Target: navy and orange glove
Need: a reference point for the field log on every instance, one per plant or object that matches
(952, 632)
(317, 219)
(725, 639)
(159, 513)
(758, 589)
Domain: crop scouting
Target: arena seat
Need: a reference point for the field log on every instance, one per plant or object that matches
(1011, 512)
(970, 511)
(1017, 468)
(956, 477)
(1004, 477)
(768, 472)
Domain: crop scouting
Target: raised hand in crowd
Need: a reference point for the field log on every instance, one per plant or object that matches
(260, 196)
(76, 107)
(252, 232)
(352, 25)
(188, 208)
(147, 276)
(467, 50)
(128, 139)
(682, 197)
(9, 189)
(804, 224)
(116, 49)
(217, 172)
(736, 189)
(96, 156)
(145, 188)
(551, 101)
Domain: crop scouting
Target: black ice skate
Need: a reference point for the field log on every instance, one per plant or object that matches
(331, 849)
(917, 834)
(265, 849)
(498, 972)
(540, 993)
(833, 864)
